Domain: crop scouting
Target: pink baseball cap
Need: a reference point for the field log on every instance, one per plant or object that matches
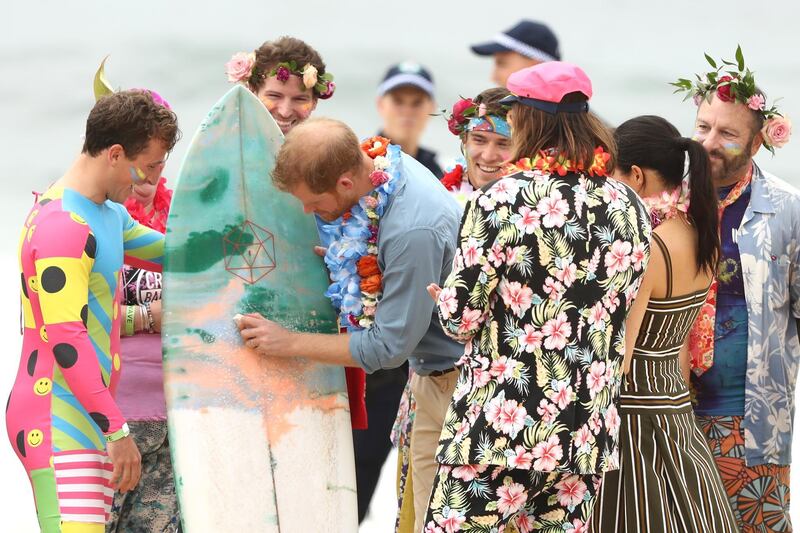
(543, 86)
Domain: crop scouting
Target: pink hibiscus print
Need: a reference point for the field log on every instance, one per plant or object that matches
(531, 338)
(613, 420)
(472, 252)
(470, 320)
(556, 332)
(431, 527)
(638, 256)
(553, 288)
(511, 498)
(547, 454)
(597, 316)
(579, 526)
(503, 368)
(618, 259)
(506, 416)
(481, 377)
(522, 458)
(561, 395)
(529, 221)
(516, 296)
(596, 379)
(553, 210)
(504, 190)
(497, 255)
(452, 522)
(547, 411)
(525, 523)
(571, 491)
(468, 472)
(583, 436)
(447, 302)
(568, 274)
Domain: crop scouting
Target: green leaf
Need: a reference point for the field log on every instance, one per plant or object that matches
(740, 58)
(711, 61)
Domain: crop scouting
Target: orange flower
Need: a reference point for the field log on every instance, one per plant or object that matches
(375, 146)
(368, 266)
(371, 284)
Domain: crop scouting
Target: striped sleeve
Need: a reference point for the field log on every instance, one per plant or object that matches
(144, 247)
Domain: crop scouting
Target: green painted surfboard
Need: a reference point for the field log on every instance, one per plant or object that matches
(258, 444)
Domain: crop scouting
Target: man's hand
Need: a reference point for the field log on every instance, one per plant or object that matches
(127, 461)
(155, 309)
(320, 251)
(264, 336)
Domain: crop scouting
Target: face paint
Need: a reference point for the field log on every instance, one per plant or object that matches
(269, 103)
(733, 149)
(137, 175)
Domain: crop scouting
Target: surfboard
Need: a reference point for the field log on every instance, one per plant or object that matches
(258, 444)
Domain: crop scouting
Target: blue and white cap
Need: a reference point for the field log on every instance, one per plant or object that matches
(407, 74)
(528, 38)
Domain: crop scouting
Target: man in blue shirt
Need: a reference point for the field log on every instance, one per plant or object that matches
(744, 347)
(323, 166)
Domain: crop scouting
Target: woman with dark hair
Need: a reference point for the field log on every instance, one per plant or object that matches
(549, 259)
(667, 479)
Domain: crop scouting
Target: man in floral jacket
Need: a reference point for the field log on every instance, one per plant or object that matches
(744, 346)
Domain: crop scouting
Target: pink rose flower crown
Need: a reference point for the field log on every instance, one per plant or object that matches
(241, 68)
(732, 81)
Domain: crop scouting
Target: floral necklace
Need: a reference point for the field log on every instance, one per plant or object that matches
(668, 204)
(456, 182)
(157, 218)
(549, 161)
(352, 242)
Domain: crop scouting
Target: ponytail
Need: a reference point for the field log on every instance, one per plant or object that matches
(702, 205)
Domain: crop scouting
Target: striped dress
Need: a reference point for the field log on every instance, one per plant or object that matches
(667, 480)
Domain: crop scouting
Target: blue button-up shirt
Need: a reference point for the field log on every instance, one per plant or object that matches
(417, 238)
(770, 254)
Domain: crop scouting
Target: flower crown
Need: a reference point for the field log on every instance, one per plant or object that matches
(463, 111)
(241, 66)
(737, 84)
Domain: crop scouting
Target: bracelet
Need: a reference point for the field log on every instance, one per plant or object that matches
(142, 318)
(121, 433)
(130, 314)
(151, 323)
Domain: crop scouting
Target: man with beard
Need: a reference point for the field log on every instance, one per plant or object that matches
(744, 345)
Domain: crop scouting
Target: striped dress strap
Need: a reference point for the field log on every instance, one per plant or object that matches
(667, 260)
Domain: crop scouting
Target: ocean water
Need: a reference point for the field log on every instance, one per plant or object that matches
(50, 50)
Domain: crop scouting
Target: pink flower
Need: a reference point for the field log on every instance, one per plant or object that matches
(571, 491)
(378, 178)
(776, 131)
(596, 379)
(481, 377)
(452, 522)
(371, 202)
(240, 66)
(598, 315)
(528, 221)
(547, 411)
(525, 523)
(637, 256)
(431, 527)
(468, 472)
(283, 74)
(553, 209)
(583, 436)
(370, 310)
(547, 454)
(561, 395)
(472, 252)
(502, 368)
(756, 102)
(579, 525)
(618, 259)
(497, 255)
(470, 320)
(511, 498)
(522, 458)
(506, 416)
(594, 423)
(553, 288)
(568, 274)
(328, 92)
(531, 339)
(613, 420)
(447, 302)
(516, 296)
(504, 190)
(556, 332)
(309, 76)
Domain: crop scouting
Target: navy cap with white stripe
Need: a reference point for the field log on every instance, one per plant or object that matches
(528, 38)
(407, 74)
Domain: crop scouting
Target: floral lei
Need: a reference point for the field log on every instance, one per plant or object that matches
(550, 162)
(157, 218)
(352, 242)
(668, 204)
(738, 84)
(241, 67)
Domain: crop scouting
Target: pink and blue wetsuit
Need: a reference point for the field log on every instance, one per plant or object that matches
(61, 406)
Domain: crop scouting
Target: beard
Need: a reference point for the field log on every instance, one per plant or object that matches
(726, 168)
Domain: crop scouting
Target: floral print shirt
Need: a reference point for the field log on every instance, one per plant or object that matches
(545, 272)
(769, 247)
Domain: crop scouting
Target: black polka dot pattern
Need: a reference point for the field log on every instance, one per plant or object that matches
(53, 279)
(101, 420)
(91, 246)
(85, 315)
(66, 355)
(24, 285)
(21, 443)
(32, 362)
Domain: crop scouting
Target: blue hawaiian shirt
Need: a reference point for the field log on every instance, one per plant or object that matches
(769, 247)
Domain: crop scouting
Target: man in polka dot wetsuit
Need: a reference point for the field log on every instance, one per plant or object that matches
(61, 418)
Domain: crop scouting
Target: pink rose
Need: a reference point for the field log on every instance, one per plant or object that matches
(328, 91)
(697, 99)
(240, 67)
(776, 131)
(756, 102)
(309, 76)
